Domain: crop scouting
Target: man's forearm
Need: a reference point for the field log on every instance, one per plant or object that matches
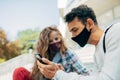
(61, 75)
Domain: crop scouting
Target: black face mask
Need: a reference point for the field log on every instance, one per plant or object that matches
(82, 37)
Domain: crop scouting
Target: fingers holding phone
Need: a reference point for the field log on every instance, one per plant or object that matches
(48, 70)
(39, 58)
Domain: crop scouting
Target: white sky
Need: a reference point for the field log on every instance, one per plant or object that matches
(16, 15)
(62, 3)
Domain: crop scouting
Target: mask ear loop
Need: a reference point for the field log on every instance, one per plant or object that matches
(87, 29)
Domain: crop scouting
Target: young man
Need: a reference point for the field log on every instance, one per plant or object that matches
(83, 25)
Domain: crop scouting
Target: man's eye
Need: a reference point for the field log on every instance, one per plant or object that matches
(75, 30)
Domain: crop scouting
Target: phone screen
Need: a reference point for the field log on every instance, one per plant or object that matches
(39, 57)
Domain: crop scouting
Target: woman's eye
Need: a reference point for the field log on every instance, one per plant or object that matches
(50, 41)
(56, 38)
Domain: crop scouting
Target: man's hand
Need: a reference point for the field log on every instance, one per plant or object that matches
(49, 69)
(60, 67)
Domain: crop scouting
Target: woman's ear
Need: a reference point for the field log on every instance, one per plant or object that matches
(89, 24)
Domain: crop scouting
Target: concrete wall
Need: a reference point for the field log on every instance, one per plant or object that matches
(7, 68)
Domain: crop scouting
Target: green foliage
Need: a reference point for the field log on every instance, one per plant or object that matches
(8, 49)
(27, 39)
(2, 60)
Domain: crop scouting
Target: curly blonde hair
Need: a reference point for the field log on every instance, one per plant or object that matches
(42, 48)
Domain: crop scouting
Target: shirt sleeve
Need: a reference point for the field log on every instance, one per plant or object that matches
(77, 65)
(110, 69)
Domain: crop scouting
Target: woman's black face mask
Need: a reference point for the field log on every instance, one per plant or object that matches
(82, 37)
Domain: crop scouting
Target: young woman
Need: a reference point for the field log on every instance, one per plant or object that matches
(51, 46)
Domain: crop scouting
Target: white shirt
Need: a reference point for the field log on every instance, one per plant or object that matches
(107, 65)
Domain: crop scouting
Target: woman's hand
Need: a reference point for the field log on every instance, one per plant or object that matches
(49, 69)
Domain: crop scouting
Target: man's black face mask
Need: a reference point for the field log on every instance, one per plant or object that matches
(82, 37)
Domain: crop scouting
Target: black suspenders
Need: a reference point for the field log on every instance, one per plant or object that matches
(104, 48)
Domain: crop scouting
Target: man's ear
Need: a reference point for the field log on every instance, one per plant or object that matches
(89, 24)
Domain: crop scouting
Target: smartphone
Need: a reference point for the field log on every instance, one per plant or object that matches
(39, 57)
